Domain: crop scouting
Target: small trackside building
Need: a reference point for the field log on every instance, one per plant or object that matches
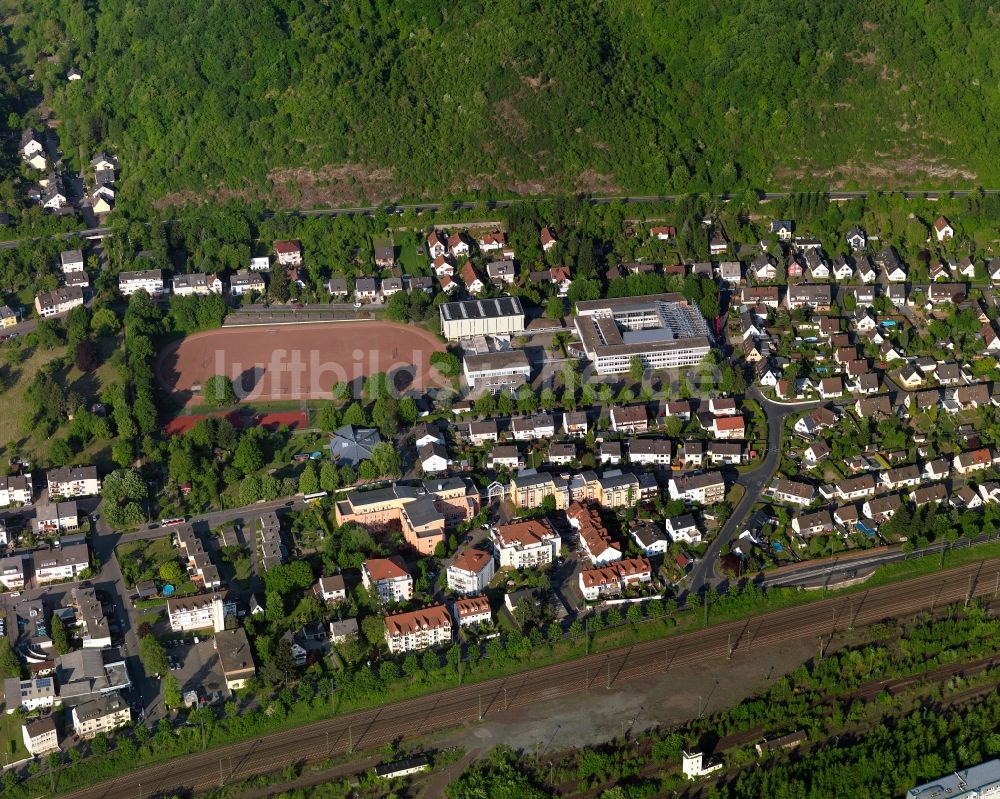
(418, 629)
(501, 316)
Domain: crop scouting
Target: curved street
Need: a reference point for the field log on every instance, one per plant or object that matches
(754, 482)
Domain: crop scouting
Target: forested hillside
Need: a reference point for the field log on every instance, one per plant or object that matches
(301, 102)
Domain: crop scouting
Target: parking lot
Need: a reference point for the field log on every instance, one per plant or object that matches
(198, 668)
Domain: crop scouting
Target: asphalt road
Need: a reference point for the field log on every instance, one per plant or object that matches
(371, 728)
(754, 482)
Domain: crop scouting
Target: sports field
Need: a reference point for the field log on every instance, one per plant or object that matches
(292, 362)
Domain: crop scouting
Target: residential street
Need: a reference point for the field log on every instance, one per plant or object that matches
(704, 574)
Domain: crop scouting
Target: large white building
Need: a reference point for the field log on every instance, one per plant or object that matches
(71, 261)
(502, 316)
(661, 330)
(527, 543)
(199, 612)
(148, 280)
(73, 481)
(977, 782)
(418, 629)
(471, 571)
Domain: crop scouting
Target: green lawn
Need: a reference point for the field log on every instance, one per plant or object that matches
(10, 738)
(14, 405)
(149, 555)
(413, 263)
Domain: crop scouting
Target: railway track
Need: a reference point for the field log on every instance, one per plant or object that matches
(414, 717)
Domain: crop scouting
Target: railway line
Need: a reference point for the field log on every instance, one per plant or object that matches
(366, 729)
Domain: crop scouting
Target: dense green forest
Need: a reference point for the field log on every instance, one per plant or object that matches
(310, 101)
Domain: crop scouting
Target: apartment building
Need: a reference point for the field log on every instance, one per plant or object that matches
(471, 571)
(614, 578)
(529, 490)
(705, 489)
(272, 548)
(57, 302)
(595, 540)
(73, 481)
(471, 611)
(148, 280)
(15, 490)
(525, 544)
(418, 629)
(40, 736)
(196, 284)
(387, 578)
(101, 715)
(64, 563)
(200, 612)
(196, 558)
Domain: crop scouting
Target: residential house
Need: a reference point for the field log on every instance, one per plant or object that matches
(816, 265)
(649, 537)
(791, 491)
(501, 272)
(859, 487)
(966, 498)
(882, 508)
(15, 490)
(857, 240)
(842, 269)
(530, 490)
(831, 387)
(196, 284)
(505, 456)
(200, 612)
(650, 452)
(473, 283)
(390, 286)
(730, 273)
(331, 589)
(433, 458)
(244, 282)
(575, 423)
(366, 289)
(974, 461)
(548, 239)
(809, 295)
(288, 253)
(561, 454)
(629, 419)
(728, 427)
(891, 265)
(436, 245)
(936, 493)
(343, 630)
(609, 452)
(718, 244)
(489, 242)
(529, 428)
(71, 261)
(901, 477)
(943, 229)
(937, 469)
(782, 228)
(866, 269)
(725, 453)
(479, 433)
(763, 268)
(37, 693)
(235, 657)
(663, 232)
(58, 565)
(766, 296)
(614, 578)
(458, 247)
(683, 529)
(816, 451)
(813, 523)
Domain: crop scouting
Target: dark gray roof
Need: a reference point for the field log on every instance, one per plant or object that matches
(482, 309)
